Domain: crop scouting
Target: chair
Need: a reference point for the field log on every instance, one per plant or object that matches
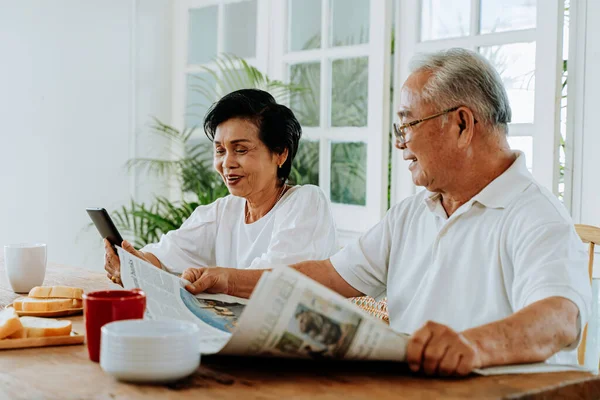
(376, 308)
(588, 234)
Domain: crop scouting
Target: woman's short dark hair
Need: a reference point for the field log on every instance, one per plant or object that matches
(277, 126)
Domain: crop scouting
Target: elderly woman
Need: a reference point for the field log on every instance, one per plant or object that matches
(264, 222)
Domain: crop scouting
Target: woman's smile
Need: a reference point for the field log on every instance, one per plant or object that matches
(233, 180)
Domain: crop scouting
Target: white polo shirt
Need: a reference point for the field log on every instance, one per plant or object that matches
(509, 246)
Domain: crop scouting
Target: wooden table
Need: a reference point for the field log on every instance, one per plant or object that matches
(67, 373)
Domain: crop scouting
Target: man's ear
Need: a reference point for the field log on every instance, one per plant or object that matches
(466, 126)
(461, 124)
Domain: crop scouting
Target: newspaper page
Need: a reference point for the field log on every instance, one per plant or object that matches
(166, 298)
(293, 316)
(288, 315)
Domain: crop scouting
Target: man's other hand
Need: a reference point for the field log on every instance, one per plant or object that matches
(438, 349)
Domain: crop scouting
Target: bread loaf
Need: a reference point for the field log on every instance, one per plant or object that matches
(61, 292)
(37, 305)
(9, 322)
(43, 327)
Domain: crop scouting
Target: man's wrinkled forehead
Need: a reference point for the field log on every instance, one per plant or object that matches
(410, 94)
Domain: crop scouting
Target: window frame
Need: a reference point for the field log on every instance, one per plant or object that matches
(350, 219)
(180, 66)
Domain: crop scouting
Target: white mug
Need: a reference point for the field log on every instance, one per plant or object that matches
(25, 265)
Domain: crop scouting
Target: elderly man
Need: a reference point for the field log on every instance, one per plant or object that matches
(484, 267)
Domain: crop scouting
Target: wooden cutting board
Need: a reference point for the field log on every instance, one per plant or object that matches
(74, 338)
(50, 314)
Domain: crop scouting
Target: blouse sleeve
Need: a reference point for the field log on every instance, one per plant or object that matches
(303, 230)
(193, 244)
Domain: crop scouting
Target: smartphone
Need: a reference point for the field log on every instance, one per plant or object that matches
(105, 226)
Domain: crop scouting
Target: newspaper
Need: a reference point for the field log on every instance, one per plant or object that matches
(288, 315)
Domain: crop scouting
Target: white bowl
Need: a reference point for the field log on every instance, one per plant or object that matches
(150, 351)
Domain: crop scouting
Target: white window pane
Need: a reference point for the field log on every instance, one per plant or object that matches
(306, 104)
(349, 22)
(507, 15)
(305, 168)
(348, 173)
(350, 92)
(305, 24)
(240, 29)
(201, 93)
(516, 65)
(524, 144)
(444, 19)
(202, 40)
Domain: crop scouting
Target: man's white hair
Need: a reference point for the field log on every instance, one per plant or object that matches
(462, 77)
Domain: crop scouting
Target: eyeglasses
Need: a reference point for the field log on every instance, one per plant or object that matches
(400, 130)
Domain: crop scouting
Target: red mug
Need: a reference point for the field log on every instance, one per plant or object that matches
(102, 307)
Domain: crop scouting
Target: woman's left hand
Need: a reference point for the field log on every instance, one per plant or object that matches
(112, 264)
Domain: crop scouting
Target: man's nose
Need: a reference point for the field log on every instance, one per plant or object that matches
(399, 145)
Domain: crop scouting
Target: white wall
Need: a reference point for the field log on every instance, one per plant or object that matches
(153, 51)
(72, 97)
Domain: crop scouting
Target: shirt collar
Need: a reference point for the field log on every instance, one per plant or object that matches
(498, 193)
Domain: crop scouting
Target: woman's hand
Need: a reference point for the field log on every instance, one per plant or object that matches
(209, 280)
(112, 264)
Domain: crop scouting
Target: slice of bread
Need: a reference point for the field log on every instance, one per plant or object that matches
(77, 303)
(20, 334)
(37, 305)
(43, 327)
(61, 292)
(9, 322)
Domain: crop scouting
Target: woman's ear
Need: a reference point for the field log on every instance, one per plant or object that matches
(282, 157)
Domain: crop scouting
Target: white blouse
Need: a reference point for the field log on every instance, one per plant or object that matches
(299, 227)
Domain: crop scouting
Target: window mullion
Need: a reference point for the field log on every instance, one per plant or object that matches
(548, 58)
(473, 42)
(220, 29)
(475, 19)
(324, 165)
(324, 144)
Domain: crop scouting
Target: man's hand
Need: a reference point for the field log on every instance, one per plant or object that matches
(209, 280)
(437, 349)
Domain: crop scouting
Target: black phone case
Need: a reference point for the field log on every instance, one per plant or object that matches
(105, 226)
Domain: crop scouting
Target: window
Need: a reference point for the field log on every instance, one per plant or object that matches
(515, 36)
(339, 51)
(205, 29)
